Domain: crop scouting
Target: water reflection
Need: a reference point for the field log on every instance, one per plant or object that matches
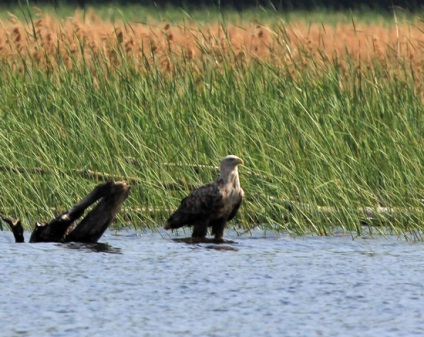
(93, 247)
(221, 247)
(190, 240)
(211, 243)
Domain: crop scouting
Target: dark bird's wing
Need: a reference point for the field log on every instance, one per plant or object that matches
(219, 224)
(197, 207)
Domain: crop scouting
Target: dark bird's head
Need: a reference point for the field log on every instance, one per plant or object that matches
(229, 167)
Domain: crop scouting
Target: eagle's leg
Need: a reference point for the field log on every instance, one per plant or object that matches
(218, 229)
(200, 229)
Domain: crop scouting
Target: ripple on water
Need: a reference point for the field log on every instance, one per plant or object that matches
(148, 284)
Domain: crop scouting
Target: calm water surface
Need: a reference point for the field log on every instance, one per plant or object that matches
(147, 284)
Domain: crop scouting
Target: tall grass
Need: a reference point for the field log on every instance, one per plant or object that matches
(317, 125)
(141, 14)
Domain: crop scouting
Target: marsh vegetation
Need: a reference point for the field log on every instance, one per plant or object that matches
(323, 114)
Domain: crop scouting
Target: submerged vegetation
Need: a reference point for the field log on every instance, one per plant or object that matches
(328, 118)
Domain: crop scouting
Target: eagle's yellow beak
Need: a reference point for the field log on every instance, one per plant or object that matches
(240, 161)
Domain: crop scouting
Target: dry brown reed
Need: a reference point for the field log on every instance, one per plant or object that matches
(50, 43)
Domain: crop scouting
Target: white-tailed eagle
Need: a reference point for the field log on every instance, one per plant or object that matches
(213, 204)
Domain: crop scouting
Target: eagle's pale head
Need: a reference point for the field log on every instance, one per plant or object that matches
(229, 167)
(231, 161)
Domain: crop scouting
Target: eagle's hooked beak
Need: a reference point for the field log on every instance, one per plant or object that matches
(240, 161)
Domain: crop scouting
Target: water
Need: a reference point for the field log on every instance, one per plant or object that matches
(146, 284)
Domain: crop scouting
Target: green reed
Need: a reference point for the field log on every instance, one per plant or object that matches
(320, 137)
(134, 13)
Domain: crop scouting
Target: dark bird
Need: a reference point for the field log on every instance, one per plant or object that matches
(213, 204)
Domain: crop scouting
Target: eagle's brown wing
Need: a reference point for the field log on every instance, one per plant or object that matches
(197, 207)
(219, 224)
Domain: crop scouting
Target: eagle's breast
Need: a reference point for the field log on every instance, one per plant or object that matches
(231, 197)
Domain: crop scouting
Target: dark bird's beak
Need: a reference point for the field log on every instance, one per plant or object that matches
(240, 161)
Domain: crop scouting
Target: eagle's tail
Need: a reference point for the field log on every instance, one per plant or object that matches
(176, 220)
